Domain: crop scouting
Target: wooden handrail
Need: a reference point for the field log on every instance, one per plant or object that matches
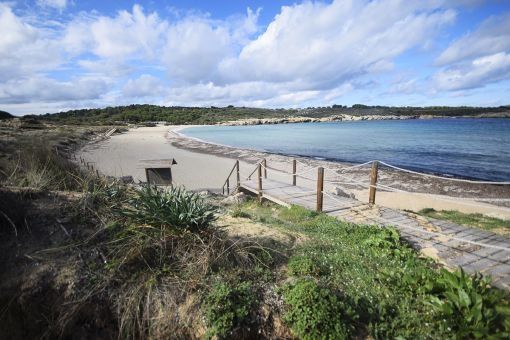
(227, 181)
(254, 170)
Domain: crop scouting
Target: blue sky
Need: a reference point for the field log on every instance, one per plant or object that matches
(57, 55)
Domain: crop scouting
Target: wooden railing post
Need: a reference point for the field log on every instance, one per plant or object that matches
(265, 167)
(320, 188)
(238, 175)
(294, 172)
(373, 182)
(228, 186)
(259, 175)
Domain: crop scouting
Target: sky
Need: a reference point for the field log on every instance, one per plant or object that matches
(59, 55)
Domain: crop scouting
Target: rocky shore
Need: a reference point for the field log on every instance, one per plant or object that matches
(302, 119)
(348, 118)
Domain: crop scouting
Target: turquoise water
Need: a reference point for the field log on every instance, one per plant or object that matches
(463, 147)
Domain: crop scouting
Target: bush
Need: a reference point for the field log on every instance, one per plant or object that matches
(176, 209)
(226, 307)
(302, 265)
(474, 309)
(314, 312)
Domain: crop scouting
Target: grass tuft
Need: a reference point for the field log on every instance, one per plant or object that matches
(470, 220)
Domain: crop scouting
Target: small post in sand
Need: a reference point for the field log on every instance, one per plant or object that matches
(320, 188)
(294, 172)
(265, 167)
(228, 186)
(373, 182)
(259, 175)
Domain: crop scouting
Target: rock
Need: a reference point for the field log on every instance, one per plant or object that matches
(127, 180)
(206, 193)
(235, 199)
(340, 192)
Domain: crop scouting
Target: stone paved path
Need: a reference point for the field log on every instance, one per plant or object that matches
(453, 245)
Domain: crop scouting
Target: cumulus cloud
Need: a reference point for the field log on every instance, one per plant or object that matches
(480, 71)
(42, 89)
(326, 44)
(127, 35)
(194, 48)
(492, 36)
(478, 58)
(24, 50)
(144, 86)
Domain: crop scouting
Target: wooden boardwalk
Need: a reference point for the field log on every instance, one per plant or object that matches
(453, 245)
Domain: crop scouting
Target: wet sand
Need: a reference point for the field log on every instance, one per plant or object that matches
(204, 166)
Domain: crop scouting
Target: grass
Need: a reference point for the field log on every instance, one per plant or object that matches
(470, 220)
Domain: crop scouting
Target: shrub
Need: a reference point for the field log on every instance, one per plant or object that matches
(227, 306)
(176, 209)
(314, 312)
(302, 265)
(474, 309)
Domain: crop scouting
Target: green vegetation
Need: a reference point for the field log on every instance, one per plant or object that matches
(152, 113)
(314, 312)
(227, 306)
(212, 115)
(470, 220)
(176, 209)
(473, 309)
(5, 115)
(379, 286)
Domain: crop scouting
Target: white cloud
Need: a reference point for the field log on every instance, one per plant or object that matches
(480, 71)
(127, 35)
(17, 32)
(144, 86)
(492, 36)
(23, 49)
(42, 89)
(57, 4)
(326, 44)
(194, 48)
(478, 58)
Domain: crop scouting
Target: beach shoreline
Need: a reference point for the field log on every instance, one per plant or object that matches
(204, 166)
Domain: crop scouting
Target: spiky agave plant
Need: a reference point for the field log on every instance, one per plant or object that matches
(175, 209)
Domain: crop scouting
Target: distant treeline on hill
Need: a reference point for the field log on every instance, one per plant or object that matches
(5, 115)
(212, 115)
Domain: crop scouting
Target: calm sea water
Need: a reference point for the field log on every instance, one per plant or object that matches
(468, 148)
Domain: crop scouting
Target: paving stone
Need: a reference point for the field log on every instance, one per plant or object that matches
(440, 247)
(499, 244)
(480, 265)
(502, 283)
(502, 257)
(463, 259)
(488, 252)
(499, 270)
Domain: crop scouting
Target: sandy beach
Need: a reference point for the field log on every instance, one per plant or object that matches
(204, 166)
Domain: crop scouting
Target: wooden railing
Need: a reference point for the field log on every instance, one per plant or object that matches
(226, 185)
(338, 178)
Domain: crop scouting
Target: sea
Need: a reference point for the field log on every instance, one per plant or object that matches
(471, 148)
